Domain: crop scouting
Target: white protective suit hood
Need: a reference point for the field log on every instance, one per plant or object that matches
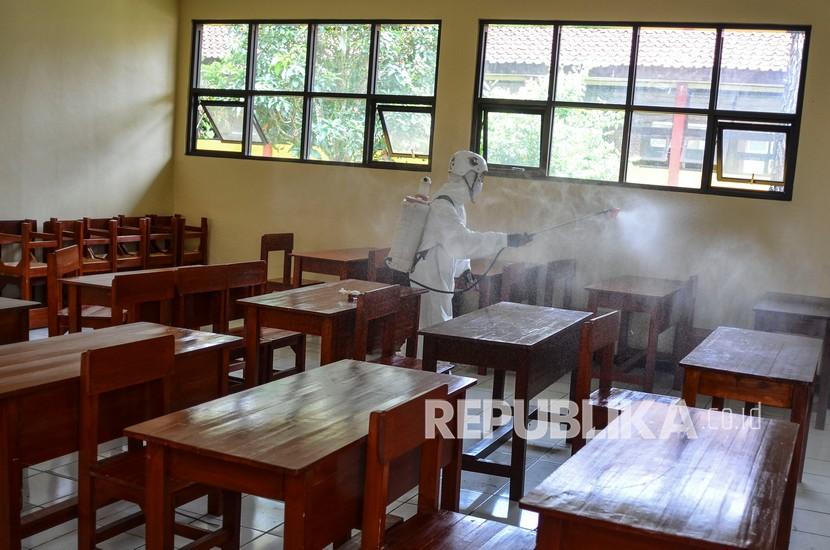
(457, 190)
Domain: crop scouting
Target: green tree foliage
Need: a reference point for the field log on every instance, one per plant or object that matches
(407, 57)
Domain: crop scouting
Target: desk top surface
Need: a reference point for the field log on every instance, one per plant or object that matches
(26, 366)
(724, 486)
(638, 286)
(293, 423)
(794, 304)
(509, 324)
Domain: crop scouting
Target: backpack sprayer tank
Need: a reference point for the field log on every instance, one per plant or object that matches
(410, 229)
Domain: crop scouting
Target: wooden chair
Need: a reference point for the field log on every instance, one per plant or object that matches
(96, 239)
(64, 231)
(280, 242)
(559, 280)
(519, 283)
(131, 236)
(379, 308)
(162, 241)
(111, 380)
(201, 298)
(245, 280)
(599, 337)
(188, 254)
(143, 297)
(396, 432)
(30, 268)
(66, 262)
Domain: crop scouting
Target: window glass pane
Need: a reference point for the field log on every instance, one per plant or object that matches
(401, 136)
(753, 155)
(587, 143)
(514, 139)
(674, 67)
(407, 57)
(337, 127)
(281, 57)
(760, 70)
(517, 61)
(280, 121)
(593, 64)
(219, 124)
(223, 56)
(341, 58)
(666, 149)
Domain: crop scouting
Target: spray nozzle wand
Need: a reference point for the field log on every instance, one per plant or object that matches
(612, 213)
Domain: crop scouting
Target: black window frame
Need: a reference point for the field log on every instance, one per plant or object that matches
(714, 116)
(249, 92)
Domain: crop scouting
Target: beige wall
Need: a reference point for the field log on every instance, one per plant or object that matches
(86, 107)
(739, 247)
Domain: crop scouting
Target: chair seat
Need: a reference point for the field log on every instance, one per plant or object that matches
(619, 399)
(127, 471)
(36, 269)
(90, 312)
(453, 531)
(270, 336)
(413, 363)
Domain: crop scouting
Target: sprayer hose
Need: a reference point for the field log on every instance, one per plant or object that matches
(469, 288)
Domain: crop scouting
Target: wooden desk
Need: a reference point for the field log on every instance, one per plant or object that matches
(324, 311)
(95, 290)
(39, 413)
(654, 297)
(300, 439)
(807, 315)
(539, 344)
(14, 320)
(774, 369)
(722, 489)
(346, 263)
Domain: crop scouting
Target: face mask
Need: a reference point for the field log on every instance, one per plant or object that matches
(475, 187)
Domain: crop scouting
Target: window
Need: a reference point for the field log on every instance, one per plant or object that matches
(701, 108)
(345, 92)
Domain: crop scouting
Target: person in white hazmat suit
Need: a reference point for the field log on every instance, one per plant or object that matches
(447, 245)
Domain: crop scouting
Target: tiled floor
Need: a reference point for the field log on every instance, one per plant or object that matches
(481, 495)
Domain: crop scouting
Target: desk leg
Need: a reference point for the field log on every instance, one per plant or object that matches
(651, 353)
(518, 450)
(451, 479)
(297, 278)
(549, 533)
(23, 326)
(412, 338)
(691, 381)
(11, 477)
(824, 381)
(74, 309)
(328, 342)
(158, 508)
(252, 336)
(429, 362)
(297, 527)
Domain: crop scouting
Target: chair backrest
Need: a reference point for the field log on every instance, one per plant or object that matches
(64, 231)
(379, 305)
(519, 283)
(599, 335)
(64, 262)
(131, 236)
(113, 369)
(244, 280)
(393, 433)
(143, 296)
(278, 242)
(197, 254)
(201, 297)
(559, 275)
